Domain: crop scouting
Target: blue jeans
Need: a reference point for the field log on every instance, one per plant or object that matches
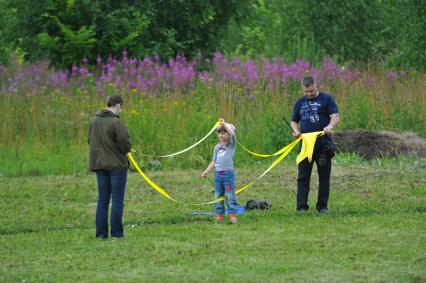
(224, 184)
(110, 183)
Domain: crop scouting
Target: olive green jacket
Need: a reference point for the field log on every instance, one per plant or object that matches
(109, 142)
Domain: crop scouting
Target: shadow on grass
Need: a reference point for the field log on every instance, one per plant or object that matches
(129, 224)
(199, 219)
(25, 230)
(357, 212)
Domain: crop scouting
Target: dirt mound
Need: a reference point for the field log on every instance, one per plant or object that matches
(373, 144)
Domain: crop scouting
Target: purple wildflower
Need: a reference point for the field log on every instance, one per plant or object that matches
(391, 76)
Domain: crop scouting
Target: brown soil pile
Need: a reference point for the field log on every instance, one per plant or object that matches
(371, 144)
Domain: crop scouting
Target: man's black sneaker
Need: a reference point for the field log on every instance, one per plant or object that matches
(323, 211)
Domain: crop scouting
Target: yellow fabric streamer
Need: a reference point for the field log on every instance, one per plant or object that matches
(151, 183)
(188, 148)
(306, 151)
(257, 154)
(308, 144)
(285, 151)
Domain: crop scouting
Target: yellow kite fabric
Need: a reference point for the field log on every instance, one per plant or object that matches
(188, 148)
(151, 183)
(308, 144)
(285, 151)
(257, 154)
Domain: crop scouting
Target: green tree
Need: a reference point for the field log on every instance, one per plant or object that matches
(408, 19)
(344, 29)
(66, 31)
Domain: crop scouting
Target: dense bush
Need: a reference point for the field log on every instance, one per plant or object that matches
(347, 30)
(358, 31)
(409, 23)
(67, 31)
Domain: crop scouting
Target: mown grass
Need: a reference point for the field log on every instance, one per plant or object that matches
(374, 232)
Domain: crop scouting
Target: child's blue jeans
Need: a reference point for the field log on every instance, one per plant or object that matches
(224, 185)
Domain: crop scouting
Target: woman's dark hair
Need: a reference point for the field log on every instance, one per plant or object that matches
(113, 100)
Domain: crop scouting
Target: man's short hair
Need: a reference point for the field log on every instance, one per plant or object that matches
(308, 81)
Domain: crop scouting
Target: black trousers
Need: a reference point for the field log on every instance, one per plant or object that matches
(304, 179)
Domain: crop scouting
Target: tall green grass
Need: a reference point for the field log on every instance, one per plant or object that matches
(47, 133)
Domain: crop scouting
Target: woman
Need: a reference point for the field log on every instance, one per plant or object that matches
(109, 143)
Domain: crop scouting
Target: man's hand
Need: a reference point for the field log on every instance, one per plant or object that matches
(295, 129)
(328, 129)
(222, 121)
(205, 174)
(296, 134)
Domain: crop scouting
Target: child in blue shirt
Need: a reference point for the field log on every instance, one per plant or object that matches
(224, 178)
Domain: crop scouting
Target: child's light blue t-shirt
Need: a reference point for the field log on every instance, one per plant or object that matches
(223, 155)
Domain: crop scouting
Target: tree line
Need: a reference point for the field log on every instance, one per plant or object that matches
(65, 32)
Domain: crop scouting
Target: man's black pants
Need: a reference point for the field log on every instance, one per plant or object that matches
(304, 179)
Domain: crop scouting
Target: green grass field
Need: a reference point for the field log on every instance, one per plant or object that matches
(375, 231)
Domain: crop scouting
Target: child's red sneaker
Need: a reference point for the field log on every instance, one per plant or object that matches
(219, 217)
(232, 218)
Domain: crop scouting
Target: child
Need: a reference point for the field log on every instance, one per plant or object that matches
(224, 178)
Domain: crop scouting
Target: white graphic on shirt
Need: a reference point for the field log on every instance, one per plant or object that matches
(310, 111)
(221, 152)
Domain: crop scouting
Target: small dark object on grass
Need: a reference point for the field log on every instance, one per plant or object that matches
(253, 204)
(264, 205)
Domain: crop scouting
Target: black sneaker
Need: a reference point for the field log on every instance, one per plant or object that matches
(302, 210)
(322, 211)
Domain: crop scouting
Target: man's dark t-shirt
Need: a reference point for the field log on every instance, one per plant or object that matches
(314, 114)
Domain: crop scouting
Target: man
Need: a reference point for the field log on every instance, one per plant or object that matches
(315, 111)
